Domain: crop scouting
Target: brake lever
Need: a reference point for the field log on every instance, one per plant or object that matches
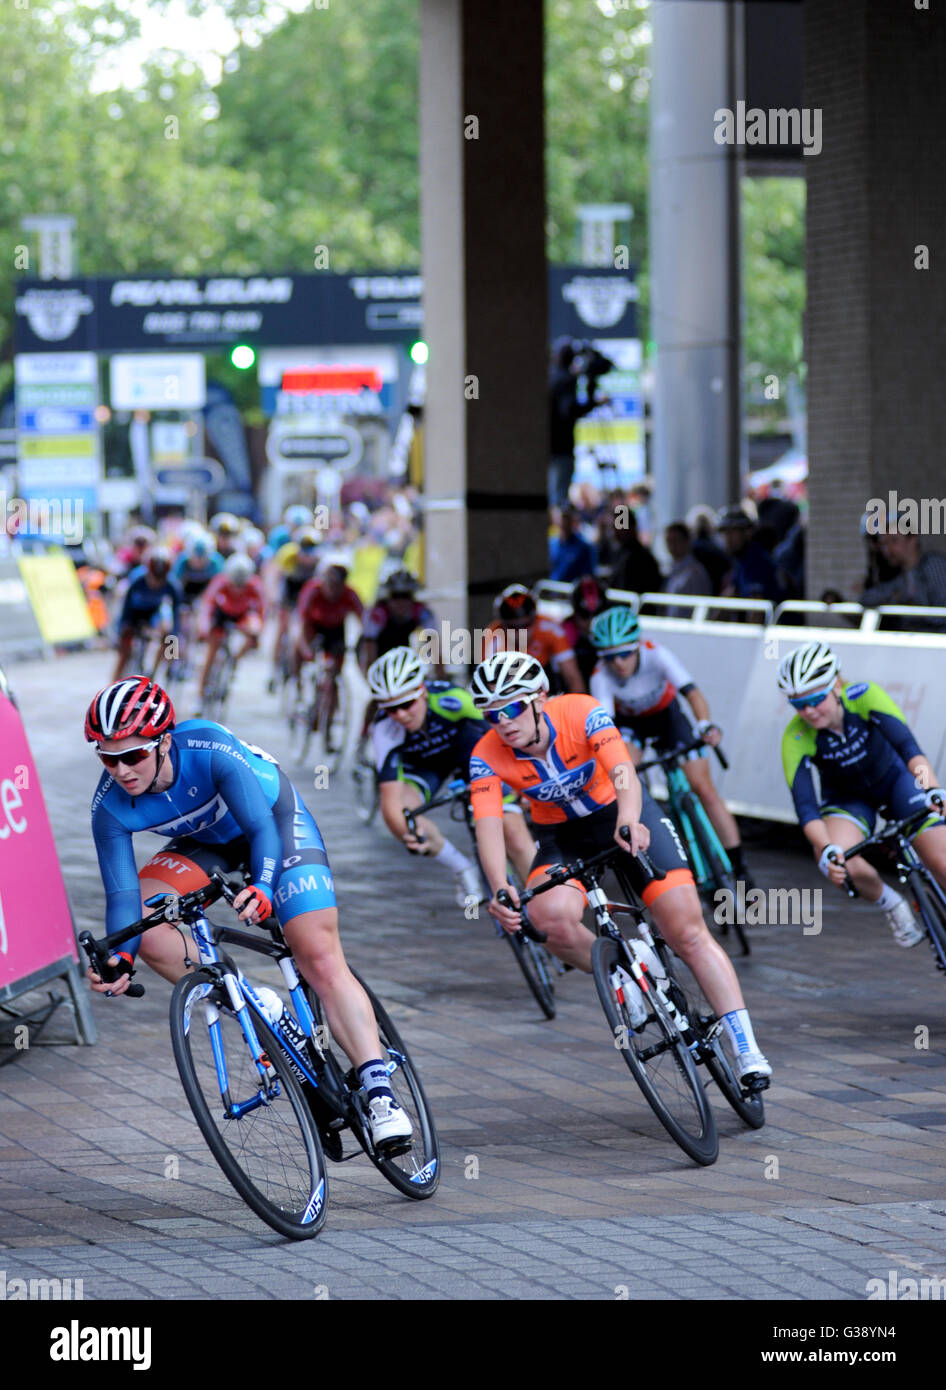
(108, 974)
(526, 929)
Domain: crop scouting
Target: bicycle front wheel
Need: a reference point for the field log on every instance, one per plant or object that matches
(416, 1173)
(658, 1059)
(722, 877)
(252, 1113)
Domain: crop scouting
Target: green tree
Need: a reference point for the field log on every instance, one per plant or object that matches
(773, 280)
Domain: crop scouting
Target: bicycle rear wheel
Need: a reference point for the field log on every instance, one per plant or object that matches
(722, 877)
(416, 1173)
(256, 1122)
(715, 1049)
(367, 799)
(933, 916)
(536, 965)
(219, 680)
(658, 1059)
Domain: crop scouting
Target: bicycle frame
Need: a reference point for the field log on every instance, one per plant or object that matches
(907, 864)
(679, 793)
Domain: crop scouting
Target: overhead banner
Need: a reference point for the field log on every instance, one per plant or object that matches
(140, 313)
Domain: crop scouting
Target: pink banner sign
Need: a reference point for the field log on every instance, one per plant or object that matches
(35, 922)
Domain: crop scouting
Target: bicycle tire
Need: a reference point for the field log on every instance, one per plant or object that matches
(288, 1187)
(219, 680)
(533, 960)
(367, 798)
(302, 716)
(331, 740)
(932, 916)
(660, 1062)
(723, 878)
(415, 1175)
(713, 1049)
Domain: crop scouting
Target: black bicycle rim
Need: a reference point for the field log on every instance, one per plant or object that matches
(532, 959)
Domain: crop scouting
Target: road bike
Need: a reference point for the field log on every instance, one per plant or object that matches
(365, 777)
(712, 870)
(320, 712)
(661, 1036)
(270, 1090)
(220, 679)
(538, 966)
(894, 840)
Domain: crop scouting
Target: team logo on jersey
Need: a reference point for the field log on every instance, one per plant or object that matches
(852, 691)
(449, 702)
(479, 769)
(563, 788)
(191, 791)
(199, 819)
(598, 719)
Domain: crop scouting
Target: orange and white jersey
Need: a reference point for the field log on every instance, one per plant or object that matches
(544, 639)
(570, 781)
(652, 687)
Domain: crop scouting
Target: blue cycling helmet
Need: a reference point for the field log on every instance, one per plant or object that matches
(615, 630)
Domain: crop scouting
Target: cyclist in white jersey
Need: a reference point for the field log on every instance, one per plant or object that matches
(640, 683)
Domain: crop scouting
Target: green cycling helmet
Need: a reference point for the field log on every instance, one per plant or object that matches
(616, 629)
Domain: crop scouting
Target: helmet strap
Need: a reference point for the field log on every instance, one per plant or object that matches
(535, 715)
(157, 771)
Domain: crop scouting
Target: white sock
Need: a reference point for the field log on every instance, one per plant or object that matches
(888, 899)
(739, 1031)
(451, 858)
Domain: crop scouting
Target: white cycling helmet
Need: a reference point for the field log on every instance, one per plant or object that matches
(395, 676)
(507, 676)
(812, 667)
(239, 568)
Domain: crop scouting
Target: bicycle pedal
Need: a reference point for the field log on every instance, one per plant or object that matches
(756, 1085)
(393, 1148)
(332, 1144)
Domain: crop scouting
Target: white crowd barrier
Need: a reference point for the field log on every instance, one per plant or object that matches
(734, 663)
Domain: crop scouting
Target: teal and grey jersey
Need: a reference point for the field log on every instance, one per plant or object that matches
(441, 745)
(864, 760)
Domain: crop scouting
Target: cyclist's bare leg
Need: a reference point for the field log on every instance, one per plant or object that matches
(282, 627)
(520, 847)
(125, 639)
(558, 914)
(678, 914)
(164, 947)
(317, 951)
(698, 775)
(845, 833)
(931, 847)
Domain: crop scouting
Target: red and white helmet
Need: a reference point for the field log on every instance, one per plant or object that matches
(128, 707)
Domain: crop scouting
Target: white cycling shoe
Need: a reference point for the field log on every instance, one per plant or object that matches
(469, 886)
(390, 1126)
(753, 1070)
(903, 925)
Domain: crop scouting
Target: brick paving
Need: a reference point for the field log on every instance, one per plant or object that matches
(846, 1182)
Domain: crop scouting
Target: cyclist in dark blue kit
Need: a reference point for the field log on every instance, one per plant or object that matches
(151, 591)
(223, 804)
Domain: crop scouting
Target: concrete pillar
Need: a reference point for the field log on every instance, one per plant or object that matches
(876, 321)
(694, 258)
(485, 300)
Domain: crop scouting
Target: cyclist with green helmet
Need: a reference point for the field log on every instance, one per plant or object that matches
(640, 683)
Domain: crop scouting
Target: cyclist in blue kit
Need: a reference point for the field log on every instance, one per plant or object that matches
(226, 805)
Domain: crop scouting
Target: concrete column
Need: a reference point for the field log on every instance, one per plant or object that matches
(694, 258)
(876, 321)
(485, 299)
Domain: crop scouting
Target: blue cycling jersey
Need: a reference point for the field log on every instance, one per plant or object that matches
(142, 602)
(223, 790)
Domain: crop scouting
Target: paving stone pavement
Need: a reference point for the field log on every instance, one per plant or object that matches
(555, 1173)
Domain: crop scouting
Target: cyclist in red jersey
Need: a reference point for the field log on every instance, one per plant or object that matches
(233, 598)
(568, 760)
(323, 606)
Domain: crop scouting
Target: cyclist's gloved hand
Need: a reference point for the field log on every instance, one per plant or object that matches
(707, 727)
(253, 904)
(123, 964)
(936, 798)
(828, 854)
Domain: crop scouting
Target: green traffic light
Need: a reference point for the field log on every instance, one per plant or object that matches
(243, 356)
(419, 353)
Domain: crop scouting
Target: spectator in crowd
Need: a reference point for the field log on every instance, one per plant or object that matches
(752, 573)
(778, 511)
(789, 560)
(687, 575)
(608, 546)
(921, 580)
(564, 411)
(880, 570)
(640, 498)
(570, 555)
(702, 520)
(635, 567)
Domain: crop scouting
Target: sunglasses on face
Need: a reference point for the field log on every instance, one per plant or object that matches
(808, 701)
(510, 711)
(620, 656)
(404, 704)
(131, 756)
